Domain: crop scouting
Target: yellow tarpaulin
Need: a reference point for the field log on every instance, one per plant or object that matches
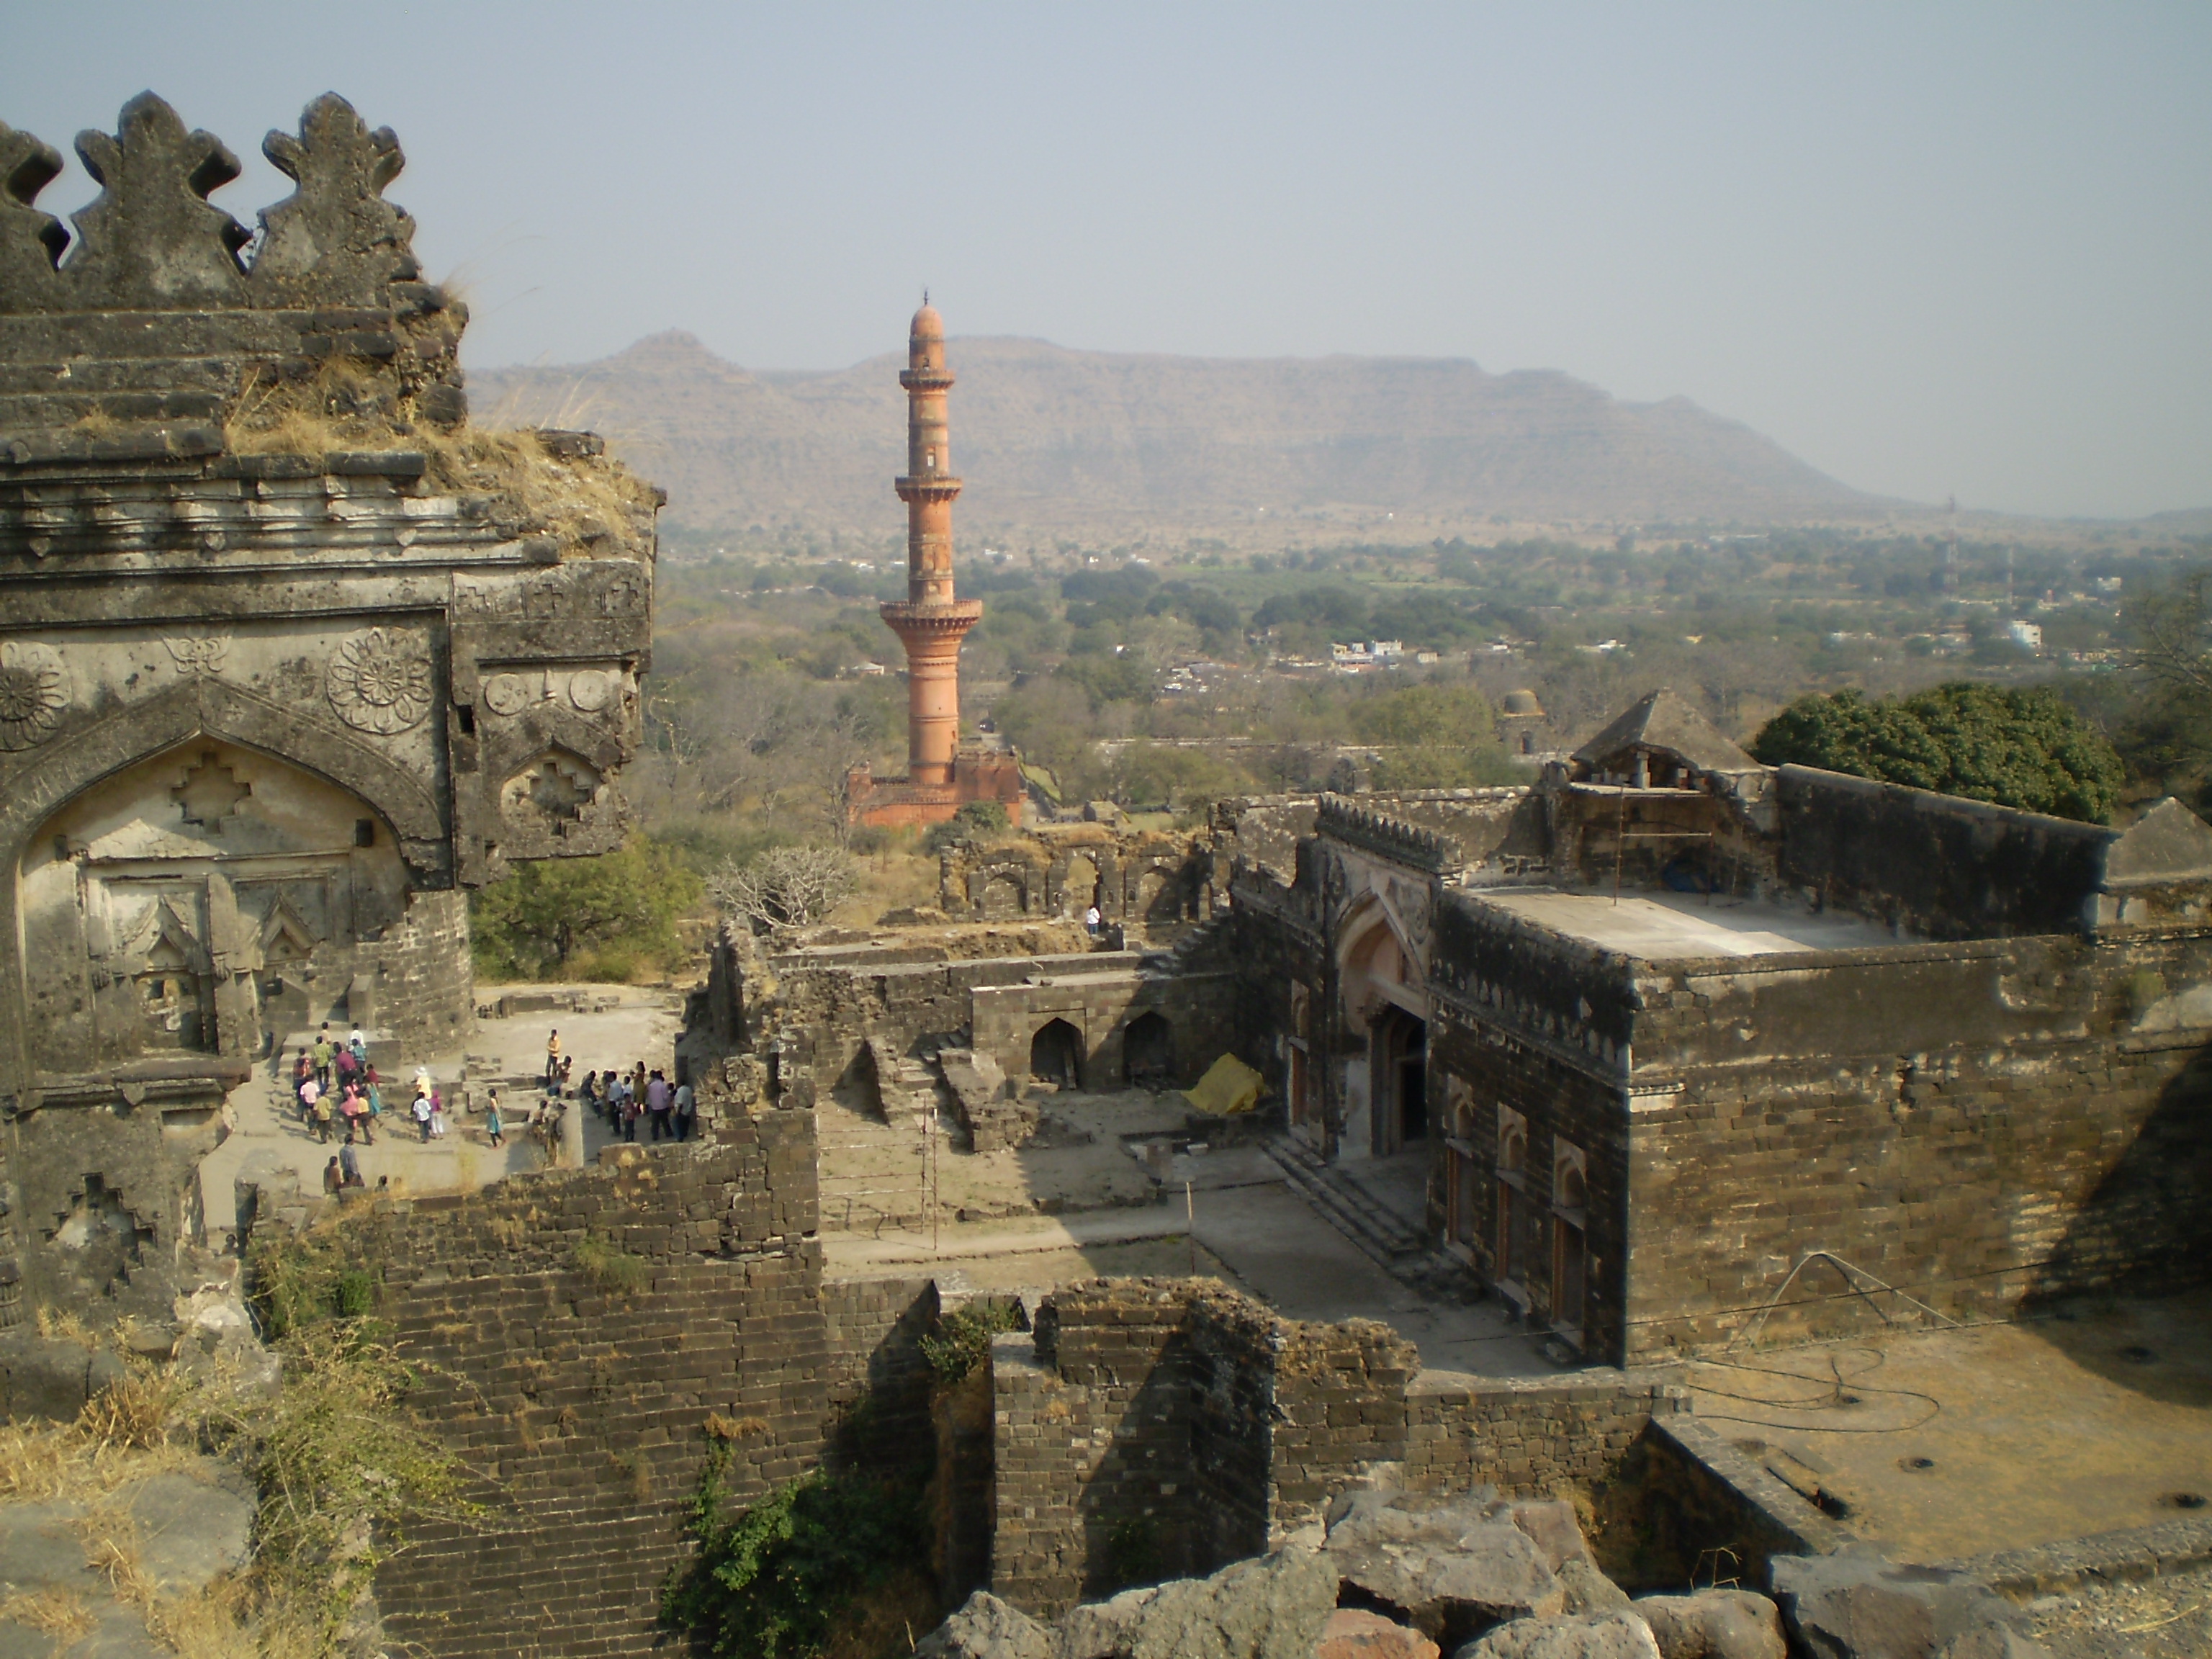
(1230, 1087)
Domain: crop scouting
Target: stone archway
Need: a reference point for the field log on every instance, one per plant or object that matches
(1079, 886)
(1056, 1054)
(156, 903)
(1148, 1059)
(1156, 896)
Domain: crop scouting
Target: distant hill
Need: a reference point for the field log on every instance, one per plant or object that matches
(1058, 442)
(2187, 521)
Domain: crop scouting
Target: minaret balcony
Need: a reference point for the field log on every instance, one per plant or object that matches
(926, 379)
(922, 616)
(927, 487)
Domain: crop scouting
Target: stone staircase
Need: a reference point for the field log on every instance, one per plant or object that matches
(1388, 1239)
(874, 1173)
(1191, 948)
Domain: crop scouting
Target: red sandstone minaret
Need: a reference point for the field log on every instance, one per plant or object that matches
(930, 623)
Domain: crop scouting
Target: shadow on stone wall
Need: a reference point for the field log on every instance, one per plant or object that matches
(2146, 1228)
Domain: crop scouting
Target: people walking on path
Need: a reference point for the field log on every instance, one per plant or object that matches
(437, 1115)
(349, 1166)
(322, 1052)
(687, 1110)
(311, 1094)
(320, 1110)
(553, 1057)
(423, 1110)
(494, 1130)
(333, 1178)
(372, 1105)
(658, 1099)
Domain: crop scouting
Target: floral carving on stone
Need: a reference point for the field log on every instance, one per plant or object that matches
(379, 681)
(33, 692)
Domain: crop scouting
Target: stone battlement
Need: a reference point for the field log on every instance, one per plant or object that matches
(162, 314)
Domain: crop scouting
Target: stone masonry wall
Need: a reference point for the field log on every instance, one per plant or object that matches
(1881, 1109)
(1180, 1414)
(873, 1330)
(586, 1394)
(1525, 1436)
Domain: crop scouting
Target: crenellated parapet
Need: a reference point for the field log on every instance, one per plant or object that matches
(163, 321)
(1387, 837)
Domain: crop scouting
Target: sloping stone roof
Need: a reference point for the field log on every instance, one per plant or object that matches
(1664, 720)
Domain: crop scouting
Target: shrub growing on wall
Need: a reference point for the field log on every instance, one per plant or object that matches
(773, 1579)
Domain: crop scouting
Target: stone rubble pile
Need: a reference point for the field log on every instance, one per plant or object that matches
(1390, 1576)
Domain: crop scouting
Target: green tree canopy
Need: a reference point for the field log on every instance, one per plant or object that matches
(1434, 736)
(546, 913)
(2014, 748)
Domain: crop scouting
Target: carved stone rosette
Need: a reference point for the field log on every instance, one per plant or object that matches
(379, 681)
(33, 690)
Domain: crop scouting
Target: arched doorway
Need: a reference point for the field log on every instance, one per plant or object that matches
(1381, 1000)
(126, 893)
(1148, 1053)
(1400, 1046)
(1079, 888)
(1158, 898)
(1569, 1241)
(1056, 1054)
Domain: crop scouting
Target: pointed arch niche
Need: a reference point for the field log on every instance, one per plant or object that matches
(171, 905)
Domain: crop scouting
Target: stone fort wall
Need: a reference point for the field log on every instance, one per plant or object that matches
(1170, 1426)
(587, 1395)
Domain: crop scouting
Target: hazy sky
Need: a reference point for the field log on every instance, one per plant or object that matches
(1929, 248)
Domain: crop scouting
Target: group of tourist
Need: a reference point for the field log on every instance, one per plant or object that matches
(621, 1099)
(335, 1086)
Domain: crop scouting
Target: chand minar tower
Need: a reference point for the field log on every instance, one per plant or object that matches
(931, 621)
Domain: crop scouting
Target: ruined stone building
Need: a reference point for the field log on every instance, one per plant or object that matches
(290, 657)
(943, 773)
(1681, 1046)
(1680, 1036)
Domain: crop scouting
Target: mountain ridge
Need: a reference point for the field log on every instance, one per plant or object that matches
(1054, 440)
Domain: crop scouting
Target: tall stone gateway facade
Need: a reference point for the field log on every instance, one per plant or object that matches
(942, 775)
(290, 656)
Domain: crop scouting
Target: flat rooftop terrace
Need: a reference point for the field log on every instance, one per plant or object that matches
(2095, 1418)
(1666, 926)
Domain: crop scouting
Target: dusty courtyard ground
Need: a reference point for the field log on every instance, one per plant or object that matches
(1944, 1444)
(1115, 1187)
(509, 1054)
